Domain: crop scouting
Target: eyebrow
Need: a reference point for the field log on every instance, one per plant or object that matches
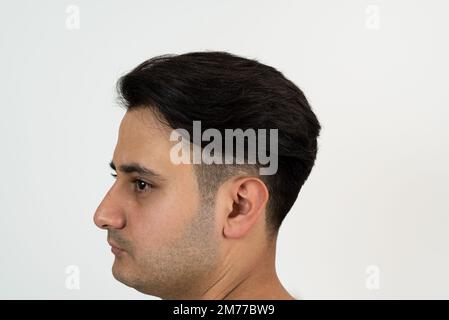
(134, 167)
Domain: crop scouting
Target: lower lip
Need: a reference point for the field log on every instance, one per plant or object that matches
(117, 251)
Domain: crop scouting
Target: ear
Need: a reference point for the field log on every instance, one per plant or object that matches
(246, 201)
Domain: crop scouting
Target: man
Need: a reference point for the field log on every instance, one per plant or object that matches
(183, 230)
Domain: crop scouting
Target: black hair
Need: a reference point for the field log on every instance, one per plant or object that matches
(225, 91)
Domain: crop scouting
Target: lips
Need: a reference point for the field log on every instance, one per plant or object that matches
(116, 250)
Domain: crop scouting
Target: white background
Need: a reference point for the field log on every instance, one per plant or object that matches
(375, 72)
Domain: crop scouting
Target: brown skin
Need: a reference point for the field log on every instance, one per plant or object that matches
(174, 245)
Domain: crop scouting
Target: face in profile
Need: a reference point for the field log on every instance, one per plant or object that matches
(163, 236)
(189, 230)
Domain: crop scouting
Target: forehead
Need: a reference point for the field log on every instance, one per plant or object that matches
(141, 125)
(144, 139)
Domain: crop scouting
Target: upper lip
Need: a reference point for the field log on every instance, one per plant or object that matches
(114, 245)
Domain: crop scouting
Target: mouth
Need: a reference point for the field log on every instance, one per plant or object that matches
(116, 250)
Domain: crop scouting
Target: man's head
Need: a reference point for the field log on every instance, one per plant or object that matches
(181, 224)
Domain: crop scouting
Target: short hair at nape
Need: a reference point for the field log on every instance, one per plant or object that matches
(226, 91)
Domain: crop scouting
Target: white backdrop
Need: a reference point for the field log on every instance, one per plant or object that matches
(371, 221)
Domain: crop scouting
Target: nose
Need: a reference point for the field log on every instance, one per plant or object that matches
(110, 214)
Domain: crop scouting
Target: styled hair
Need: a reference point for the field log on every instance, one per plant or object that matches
(225, 91)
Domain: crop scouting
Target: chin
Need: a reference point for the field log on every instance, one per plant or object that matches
(129, 277)
(122, 274)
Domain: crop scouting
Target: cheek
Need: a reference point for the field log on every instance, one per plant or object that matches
(164, 217)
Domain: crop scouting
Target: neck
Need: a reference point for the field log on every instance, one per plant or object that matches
(247, 281)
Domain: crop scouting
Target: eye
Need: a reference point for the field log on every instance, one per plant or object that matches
(139, 185)
(142, 186)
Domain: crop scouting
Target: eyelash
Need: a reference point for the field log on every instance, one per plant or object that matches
(136, 182)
